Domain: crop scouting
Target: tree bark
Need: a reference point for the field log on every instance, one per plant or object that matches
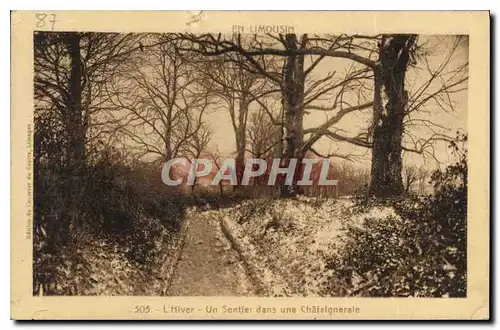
(386, 178)
(75, 124)
(76, 138)
(241, 138)
(292, 95)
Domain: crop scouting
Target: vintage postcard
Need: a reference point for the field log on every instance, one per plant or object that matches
(250, 165)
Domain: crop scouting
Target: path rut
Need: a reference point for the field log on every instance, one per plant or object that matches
(208, 266)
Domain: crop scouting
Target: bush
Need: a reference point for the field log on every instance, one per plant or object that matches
(419, 253)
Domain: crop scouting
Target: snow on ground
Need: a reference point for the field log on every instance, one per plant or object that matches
(97, 265)
(285, 246)
(289, 242)
(112, 273)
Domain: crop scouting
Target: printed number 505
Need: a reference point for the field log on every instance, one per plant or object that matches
(142, 309)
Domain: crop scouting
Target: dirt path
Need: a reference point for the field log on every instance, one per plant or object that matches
(208, 266)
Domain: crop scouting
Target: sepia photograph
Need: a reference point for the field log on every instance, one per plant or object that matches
(255, 161)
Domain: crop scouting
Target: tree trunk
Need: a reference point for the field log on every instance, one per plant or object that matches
(386, 178)
(407, 187)
(75, 124)
(76, 137)
(292, 93)
(241, 139)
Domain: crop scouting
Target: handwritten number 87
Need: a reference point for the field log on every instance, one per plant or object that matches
(43, 19)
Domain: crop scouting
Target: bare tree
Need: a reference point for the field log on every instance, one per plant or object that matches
(70, 71)
(423, 176)
(388, 118)
(397, 122)
(262, 135)
(292, 81)
(162, 99)
(196, 146)
(238, 89)
(217, 159)
(410, 176)
(383, 59)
